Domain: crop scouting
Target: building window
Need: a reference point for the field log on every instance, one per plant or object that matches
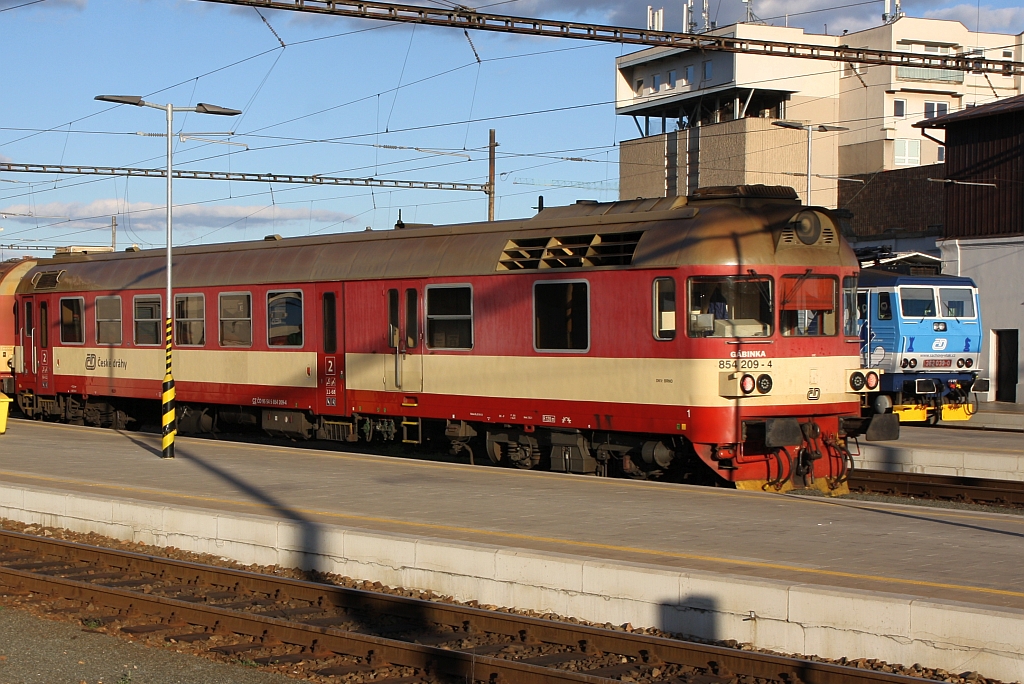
(672, 78)
(639, 91)
(108, 320)
(72, 330)
(147, 320)
(236, 320)
(934, 109)
(656, 82)
(731, 306)
(907, 152)
(190, 320)
(561, 316)
(851, 68)
(807, 307)
(450, 317)
(688, 74)
(664, 308)
(708, 70)
(284, 319)
(899, 108)
(941, 155)
(1007, 54)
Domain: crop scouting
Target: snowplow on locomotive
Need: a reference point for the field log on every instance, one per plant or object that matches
(716, 333)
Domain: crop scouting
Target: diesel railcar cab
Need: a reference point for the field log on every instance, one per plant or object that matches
(713, 335)
(925, 332)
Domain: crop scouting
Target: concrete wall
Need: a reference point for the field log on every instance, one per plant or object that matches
(995, 265)
(781, 616)
(750, 151)
(642, 167)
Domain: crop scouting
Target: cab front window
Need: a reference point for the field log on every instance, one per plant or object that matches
(730, 306)
(807, 305)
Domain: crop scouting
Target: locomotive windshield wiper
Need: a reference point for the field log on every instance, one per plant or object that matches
(796, 286)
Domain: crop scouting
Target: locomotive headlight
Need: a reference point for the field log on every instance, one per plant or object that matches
(747, 384)
(960, 363)
(807, 227)
(904, 363)
(764, 383)
(913, 363)
(871, 380)
(857, 381)
(969, 362)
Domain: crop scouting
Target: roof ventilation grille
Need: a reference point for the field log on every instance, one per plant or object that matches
(569, 251)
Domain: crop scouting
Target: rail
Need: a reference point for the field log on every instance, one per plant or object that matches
(939, 487)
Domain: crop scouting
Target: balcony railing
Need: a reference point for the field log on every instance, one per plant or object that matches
(925, 74)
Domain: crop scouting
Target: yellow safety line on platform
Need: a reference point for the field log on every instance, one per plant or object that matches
(549, 540)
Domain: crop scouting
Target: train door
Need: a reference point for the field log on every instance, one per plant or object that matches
(35, 334)
(331, 349)
(404, 372)
(1007, 367)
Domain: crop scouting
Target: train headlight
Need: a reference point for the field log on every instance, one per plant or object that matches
(871, 380)
(913, 363)
(969, 362)
(905, 363)
(857, 381)
(764, 383)
(960, 363)
(747, 384)
(807, 227)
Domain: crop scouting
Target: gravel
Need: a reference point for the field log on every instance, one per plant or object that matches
(35, 650)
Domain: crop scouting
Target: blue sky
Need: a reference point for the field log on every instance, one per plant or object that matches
(366, 87)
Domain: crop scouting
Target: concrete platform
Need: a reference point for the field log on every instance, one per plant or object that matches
(790, 573)
(945, 451)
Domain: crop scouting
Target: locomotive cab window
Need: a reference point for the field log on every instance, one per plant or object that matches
(284, 319)
(72, 326)
(108, 320)
(884, 306)
(561, 315)
(147, 320)
(236, 320)
(807, 305)
(450, 317)
(190, 320)
(956, 302)
(851, 306)
(664, 308)
(731, 306)
(917, 302)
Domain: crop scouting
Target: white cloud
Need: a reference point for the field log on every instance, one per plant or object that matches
(149, 216)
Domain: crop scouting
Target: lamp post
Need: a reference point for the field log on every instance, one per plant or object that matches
(167, 398)
(810, 128)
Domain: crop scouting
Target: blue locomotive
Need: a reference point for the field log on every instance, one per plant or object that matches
(925, 333)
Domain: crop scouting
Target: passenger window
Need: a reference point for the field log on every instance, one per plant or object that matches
(807, 305)
(108, 320)
(412, 328)
(330, 323)
(147, 320)
(284, 319)
(72, 330)
(664, 308)
(884, 306)
(190, 320)
(917, 302)
(957, 302)
(450, 317)
(44, 326)
(236, 320)
(561, 316)
(731, 307)
(29, 330)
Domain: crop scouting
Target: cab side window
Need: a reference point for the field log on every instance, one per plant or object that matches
(884, 306)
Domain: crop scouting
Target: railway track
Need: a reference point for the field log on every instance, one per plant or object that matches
(322, 630)
(939, 487)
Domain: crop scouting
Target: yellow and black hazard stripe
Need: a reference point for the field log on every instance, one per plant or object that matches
(168, 422)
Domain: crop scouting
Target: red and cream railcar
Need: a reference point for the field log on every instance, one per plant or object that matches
(11, 273)
(620, 337)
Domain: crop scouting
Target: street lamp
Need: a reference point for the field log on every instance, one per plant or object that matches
(810, 128)
(167, 404)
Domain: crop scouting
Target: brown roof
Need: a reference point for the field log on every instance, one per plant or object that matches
(673, 233)
(1005, 106)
